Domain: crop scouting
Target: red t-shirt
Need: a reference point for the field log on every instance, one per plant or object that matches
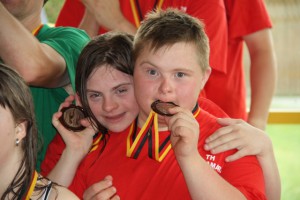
(57, 145)
(146, 178)
(226, 85)
(228, 90)
(211, 12)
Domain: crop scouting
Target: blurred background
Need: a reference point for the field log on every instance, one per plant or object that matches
(284, 122)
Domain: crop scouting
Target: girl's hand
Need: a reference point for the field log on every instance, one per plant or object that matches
(238, 134)
(77, 143)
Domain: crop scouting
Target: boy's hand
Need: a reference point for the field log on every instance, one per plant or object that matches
(237, 134)
(184, 132)
(102, 190)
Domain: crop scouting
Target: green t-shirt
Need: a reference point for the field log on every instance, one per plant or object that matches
(68, 42)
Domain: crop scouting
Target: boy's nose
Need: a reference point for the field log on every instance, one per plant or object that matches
(165, 86)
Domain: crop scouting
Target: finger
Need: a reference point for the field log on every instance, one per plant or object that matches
(180, 124)
(219, 133)
(65, 104)
(107, 193)
(116, 197)
(70, 98)
(68, 101)
(178, 109)
(228, 121)
(55, 119)
(97, 188)
(239, 154)
(232, 144)
(181, 114)
(228, 138)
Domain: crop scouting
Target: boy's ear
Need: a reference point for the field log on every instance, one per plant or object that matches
(77, 99)
(205, 77)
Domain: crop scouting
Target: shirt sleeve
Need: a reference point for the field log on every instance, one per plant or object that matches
(68, 42)
(53, 154)
(246, 175)
(246, 17)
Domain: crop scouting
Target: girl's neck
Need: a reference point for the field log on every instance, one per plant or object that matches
(8, 170)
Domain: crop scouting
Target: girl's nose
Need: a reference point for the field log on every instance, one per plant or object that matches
(109, 104)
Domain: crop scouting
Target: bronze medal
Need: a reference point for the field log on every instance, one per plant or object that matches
(71, 117)
(161, 108)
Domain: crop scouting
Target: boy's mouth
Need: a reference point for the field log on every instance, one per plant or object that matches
(161, 107)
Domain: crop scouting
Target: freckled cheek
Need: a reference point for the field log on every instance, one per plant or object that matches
(131, 103)
(188, 93)
(96, 109)
(142, 88)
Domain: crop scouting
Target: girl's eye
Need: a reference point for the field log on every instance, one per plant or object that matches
(180, 74)
(121, 90)
(94, 95)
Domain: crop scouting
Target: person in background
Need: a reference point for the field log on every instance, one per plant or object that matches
(19, 137)
(248, 23)
(45, 57)
(152, 158)
(226, 30)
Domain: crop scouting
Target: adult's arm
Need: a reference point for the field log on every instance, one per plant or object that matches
(262, 75)
(108, 14)
(39, 64)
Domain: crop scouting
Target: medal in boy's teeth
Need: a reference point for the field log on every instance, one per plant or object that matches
(148, 136)
(161, 107)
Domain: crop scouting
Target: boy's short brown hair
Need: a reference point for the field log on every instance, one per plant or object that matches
(167, 27)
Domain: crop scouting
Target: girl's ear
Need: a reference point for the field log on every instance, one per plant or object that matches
(77, 99)
(20, 130)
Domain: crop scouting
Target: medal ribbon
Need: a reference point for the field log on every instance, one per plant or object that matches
(137, 13)
(149, 131)
(96, 142)
(37, 30)
(133, 140)
(32, 186)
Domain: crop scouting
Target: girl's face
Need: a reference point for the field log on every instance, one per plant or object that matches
(111, 98)
(7, 134)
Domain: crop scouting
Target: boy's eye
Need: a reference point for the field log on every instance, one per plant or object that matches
(180, 74)
(152, 72)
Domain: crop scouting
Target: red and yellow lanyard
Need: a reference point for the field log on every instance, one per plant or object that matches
(136, 10)
(37, 30)
(157, 149)
(32, 186)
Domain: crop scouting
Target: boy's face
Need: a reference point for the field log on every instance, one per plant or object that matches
(171, 74)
